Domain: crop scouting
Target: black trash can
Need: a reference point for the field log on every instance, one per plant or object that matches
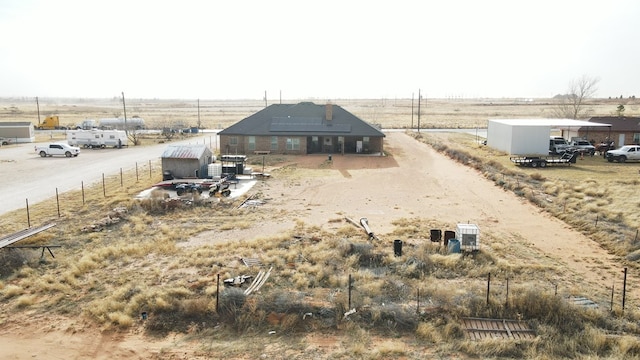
(167, 175)
(397, 247)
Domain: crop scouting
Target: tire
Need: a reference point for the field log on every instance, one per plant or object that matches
(534, 164)
(67, 154)
(226, 193)
(180, 192)
(543, 164)
(609, 159)
(622, 159)
(43, 154)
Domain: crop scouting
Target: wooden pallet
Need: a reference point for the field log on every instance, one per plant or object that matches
(480, 329)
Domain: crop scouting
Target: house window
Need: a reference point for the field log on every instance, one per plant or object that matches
(274, 143)
(252, 143)
(636, 138)
(293, 144)
(233, 140)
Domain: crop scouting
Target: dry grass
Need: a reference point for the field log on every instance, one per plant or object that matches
(135, 265)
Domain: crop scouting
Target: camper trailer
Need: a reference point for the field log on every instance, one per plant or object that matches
(97, 138)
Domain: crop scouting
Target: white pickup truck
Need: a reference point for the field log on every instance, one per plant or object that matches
(624, 153)
(61, 149)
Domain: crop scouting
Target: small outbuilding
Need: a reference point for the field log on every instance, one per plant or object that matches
(531, 136)
(186, 161)
(18, 132)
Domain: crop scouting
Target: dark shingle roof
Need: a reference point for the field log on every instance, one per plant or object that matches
(619, 123)
(304, 119)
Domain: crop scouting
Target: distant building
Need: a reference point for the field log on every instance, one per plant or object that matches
(624, 130)
(303, 128)
(18, 132)
(186, 161)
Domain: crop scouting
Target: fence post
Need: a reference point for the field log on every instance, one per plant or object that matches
(217, 294)
(349, 307)
(418, 303)
(624, 289)
(488, 287)
(104, 189)
(120, 177)
(82, 186)
(28, 216)
(506, 303)
(137, 178)
(58, 201)
(149, 169)
(612, 287)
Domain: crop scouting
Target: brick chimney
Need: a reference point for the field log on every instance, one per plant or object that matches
(328, 112)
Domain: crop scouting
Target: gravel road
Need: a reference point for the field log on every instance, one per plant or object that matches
(27, 176)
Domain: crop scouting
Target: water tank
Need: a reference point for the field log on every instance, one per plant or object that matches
(214, 170)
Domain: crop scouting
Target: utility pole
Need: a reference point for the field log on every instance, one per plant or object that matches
(265, 98)
(198, 113)
(124, 108)
(38, 107)
(419, 97)
(411, 111)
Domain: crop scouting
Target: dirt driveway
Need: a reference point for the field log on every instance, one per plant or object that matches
(416, 181)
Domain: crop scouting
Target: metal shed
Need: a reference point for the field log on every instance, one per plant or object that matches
(186, 161)
(529, 136)
(18, 132)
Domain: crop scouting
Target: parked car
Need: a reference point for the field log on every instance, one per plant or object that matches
(624, 153)
(5, 141)
(57, 149)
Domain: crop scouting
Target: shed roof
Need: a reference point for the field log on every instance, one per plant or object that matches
(15, 123)
(185, 151)
(559, 123)
(302, 119)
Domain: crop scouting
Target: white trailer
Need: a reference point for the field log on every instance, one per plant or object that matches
(97, 138)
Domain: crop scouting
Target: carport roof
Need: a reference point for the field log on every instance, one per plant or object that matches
(558, 123)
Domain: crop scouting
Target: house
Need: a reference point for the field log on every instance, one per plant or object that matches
(531, 136)
(303, 128)
(18, 132)
(624, 130)
(186, 161)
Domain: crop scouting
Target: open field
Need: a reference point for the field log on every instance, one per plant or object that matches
(218, 114)
(546, 234)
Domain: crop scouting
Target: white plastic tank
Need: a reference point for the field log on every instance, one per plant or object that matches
(214, 170)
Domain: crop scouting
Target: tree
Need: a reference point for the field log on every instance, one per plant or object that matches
(572, 105)
(620, 110)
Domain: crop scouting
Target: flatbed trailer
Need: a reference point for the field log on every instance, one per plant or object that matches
(567, 158)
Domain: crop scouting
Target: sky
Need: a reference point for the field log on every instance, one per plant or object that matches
(329, 49)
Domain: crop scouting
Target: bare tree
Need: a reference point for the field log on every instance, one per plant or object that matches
(572, 104)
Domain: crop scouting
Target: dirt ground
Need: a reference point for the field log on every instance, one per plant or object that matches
(414, 181)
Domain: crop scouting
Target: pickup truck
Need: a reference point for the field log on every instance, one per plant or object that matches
(558, 145)
(583, 147)
(624, 153)
(57, 149)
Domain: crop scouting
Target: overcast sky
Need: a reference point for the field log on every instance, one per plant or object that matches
(233, 49)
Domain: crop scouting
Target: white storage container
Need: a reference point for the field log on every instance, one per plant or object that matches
(214, 170)
(469, 237)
